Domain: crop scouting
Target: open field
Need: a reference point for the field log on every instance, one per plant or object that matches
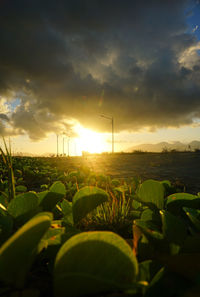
(179, 167)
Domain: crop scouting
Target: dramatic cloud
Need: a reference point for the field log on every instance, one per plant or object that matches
(73, 60)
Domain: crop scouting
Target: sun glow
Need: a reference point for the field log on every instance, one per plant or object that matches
(90, 141)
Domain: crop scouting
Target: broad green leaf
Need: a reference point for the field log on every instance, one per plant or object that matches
(157, 241)
(166, 183)
(94, 262)
(66, 208)
(174, 229)
(177, 201)
(147, 215)
(87, 199)
(151, 215)
(18, 252)
(49, 199)
(58, 187)
(23, 206)
(169, 189)
(194, 216)
(53, 237)
(46, 213)
(20, 180)
(53, 234)
(145, 273)
(56, 236)
(44, 187)
(136, 204)
(21, 188)
(152, 192)
(69, 231)
(148, 271)
(135, 214)
(149, 229)
(115, 182)
(155, 287)
(41, 195)
(6, 225)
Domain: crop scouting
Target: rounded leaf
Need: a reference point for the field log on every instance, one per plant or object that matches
(148, 215)
(20, 188)
(148, 228)
(66, 208)
(49, 199)
(6, 225)
(153, 192)
(58, 187)
(23, 204)
(87, 199)
(18, 252)
(177, 201)
(174, 229)
(94, 262)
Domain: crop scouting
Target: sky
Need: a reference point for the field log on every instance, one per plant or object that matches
(65, 63)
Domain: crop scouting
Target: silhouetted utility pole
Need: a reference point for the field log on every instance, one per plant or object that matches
(112, 122)
(63, 146)
(57, 144)
(68, 145)
(112, 135)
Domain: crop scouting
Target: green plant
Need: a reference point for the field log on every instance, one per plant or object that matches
(116, 210)
(47, 253)
(7, 160)
(19, 251)
(108, 265)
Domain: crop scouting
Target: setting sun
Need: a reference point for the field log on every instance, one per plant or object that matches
(90, 141)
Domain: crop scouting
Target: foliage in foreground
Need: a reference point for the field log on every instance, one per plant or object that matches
(47, 247)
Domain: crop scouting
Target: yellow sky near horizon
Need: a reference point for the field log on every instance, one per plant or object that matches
(93, 142)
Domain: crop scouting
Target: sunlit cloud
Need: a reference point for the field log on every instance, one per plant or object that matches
(190, 57)
(139, 64)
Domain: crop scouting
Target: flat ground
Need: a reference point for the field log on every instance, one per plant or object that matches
(178, 167)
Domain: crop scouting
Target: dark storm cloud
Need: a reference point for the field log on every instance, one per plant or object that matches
(77, 59)
(4, 117)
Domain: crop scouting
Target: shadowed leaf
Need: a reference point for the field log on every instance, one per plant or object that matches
(94, 262)
(87, 199)
(18, 252)
(49, 199)
(177, 201)
(23, 206)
